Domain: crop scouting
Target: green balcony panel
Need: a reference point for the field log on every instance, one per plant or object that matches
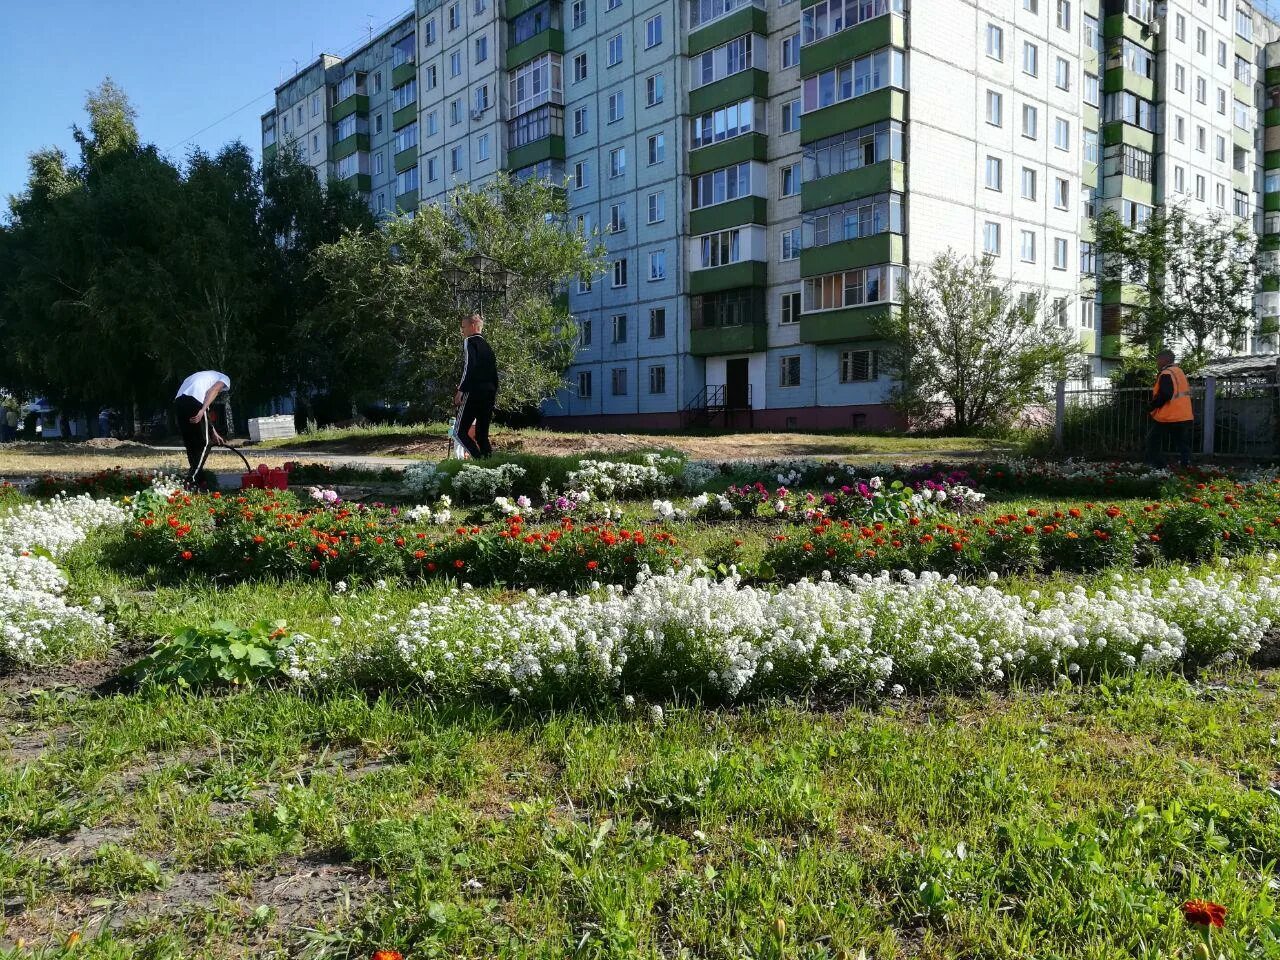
(748, 273)
(360, 182)
(269, 152)
(1271, 202)
(722, 216)
(1139, 191)
(1270, 242)
(716, 341)
(1272, 77)
(870, 108)
(356, 103)
(405, 159)
(1268, 326)
(888, 30)
(407, 202)
(404, 116)
(404, 73)
(548, 148)
(1271, 117)
(1111, 346)
(740, 22)
(844, 326)
(1271, 160)
(1121, 25)
(1117, 79)
(734, 89)
(349, 145)
(1270, 283)
(852, 184)
(748, 146)
(848, 254)
(548, 41)
(1120, 132)
(517, 7)
(1128, 294)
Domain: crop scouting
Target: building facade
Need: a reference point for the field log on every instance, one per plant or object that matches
(764, 173)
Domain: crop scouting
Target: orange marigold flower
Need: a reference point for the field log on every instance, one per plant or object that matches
(387, 955)
(1204, 913)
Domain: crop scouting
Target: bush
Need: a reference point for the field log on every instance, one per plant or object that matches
(1189, 533)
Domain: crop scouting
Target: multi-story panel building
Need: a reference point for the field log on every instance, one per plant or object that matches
(764, 174)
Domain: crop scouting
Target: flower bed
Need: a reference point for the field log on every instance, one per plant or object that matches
(116, 482)
(270, 535)
(690, 635)
(37, 623)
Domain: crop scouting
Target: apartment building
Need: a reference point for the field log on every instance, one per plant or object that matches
(764, 173)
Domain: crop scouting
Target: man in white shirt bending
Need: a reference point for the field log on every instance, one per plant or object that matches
(191, 406)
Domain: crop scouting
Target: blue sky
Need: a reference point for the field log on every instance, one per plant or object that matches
(185, 64)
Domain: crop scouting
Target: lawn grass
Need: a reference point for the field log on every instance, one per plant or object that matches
(1066, 823)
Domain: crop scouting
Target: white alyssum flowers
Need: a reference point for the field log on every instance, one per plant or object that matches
(605, 479)
(36, 621)
(873, 635)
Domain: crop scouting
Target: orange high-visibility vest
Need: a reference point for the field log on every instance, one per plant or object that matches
(1178, 409)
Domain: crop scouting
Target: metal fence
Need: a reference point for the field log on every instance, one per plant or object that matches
(1235, 417)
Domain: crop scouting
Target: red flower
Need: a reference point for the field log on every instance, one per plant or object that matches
(592, 564)
(186, 554)
(1204, 913)
(315, 564)
(388, 955)
(459, 564)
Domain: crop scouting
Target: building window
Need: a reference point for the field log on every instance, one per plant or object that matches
(791, 180)
(1028, 246)
(657, 207)
(619, 378)
(654, 90)
(876, 71)
(618, 323)
(613, 52)
(1028, 183)
(991, 238)
(1064, 14)
(853, 288)
(1088, 258)
(995, 167)
(1030, 59)
(1030, 122)
(620, 273)
(455, 64)
(617, 162)
(790, 51)
(584, 384)
(657, 149)
(584, 333)
(482, 147)
(1059, 253)
(1062, 74)
(657, 379)
(658, 265)
(791, 243)
(579, 121)
(579, 67)
(482, 49)
(617, 218)
(1061, 193)
(857, 366)
(617, 107)
(790, 312)
(789, 371)
(657, 323)
(995, 108)
(579, 13)
(653, 31)
(995, 42)
(455, 17)
(791, 116)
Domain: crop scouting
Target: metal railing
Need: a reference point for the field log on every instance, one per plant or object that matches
(1235, 417)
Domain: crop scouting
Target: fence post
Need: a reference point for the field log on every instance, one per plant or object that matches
(1059, 413)
(1208, 412)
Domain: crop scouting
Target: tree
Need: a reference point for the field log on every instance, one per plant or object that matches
(391, 314)
(971, 349)
(1194, 277)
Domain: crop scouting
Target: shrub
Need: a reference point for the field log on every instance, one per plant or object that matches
(1189, 533)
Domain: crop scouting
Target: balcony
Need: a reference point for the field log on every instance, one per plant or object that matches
(536, 136)
(731, 276)
(713, 22)
(730, 321)
(750, 337)
(404, 66)
(844, 326)
(357, 103)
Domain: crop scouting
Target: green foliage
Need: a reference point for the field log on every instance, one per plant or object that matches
(970, 351)
(1194, 275)
(117, 869)
(1190, 534)
(222, 654)
(392, 312)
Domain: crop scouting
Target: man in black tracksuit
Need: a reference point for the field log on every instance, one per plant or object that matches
(477, 389)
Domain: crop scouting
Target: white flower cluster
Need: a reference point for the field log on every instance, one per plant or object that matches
(510, 508)
(684, 632)
(604, 479)
(36, 621)
(440, 512)
(474, 484)
(705, 506)
(423, 479)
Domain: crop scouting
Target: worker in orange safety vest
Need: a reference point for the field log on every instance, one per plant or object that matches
(1171, 416)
